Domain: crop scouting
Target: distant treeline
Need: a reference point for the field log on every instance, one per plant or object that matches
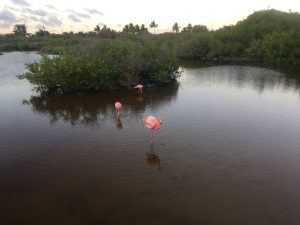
(269, 36)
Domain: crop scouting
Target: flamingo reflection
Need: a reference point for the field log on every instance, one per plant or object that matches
(153, 159)
(119, 124)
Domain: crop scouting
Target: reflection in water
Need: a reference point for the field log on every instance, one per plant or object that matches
(153, 159)
(91, 107)
(12, 64)
(140, 99)
(119, 124)
(257, 78)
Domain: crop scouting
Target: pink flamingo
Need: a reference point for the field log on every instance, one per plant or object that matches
(139, 87)
(152, 123)
(118, 106)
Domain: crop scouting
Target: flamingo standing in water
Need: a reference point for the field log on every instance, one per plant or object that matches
(152, 123)
(139, 87)
(118, 106)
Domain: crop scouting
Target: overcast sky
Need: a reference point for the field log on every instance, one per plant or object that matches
(71, 15)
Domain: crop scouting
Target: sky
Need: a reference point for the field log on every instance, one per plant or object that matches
(70, 15)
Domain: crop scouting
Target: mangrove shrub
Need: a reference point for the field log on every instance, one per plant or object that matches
(111, 64)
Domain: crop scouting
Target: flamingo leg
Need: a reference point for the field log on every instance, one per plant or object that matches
(117, 113)
(152, 136)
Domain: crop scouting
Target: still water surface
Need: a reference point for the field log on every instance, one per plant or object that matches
(228, 151)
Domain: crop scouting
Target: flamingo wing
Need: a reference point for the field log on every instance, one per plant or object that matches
(152, 122)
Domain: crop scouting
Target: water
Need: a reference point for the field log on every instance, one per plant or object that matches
(228, 151)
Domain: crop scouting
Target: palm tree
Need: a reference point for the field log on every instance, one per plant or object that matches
(143, 28)
(97, 28)
(131, 28)
(126, 28)
(175, 27)
(153, 25)
(136, 28)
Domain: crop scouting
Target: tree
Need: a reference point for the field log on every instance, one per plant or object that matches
(131, 27)
(136, 28)
(105, 28)
(20, 29)
(42, 33)
(153, 25)
(200, 28)
(97, 29)
(105, 32)
(188, 28)
(144, 29)
(175, 27)
(126, 28)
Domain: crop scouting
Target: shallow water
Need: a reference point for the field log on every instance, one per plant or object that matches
(228, 151)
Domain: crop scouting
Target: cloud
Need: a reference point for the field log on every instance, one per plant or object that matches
(93, 11)
(52, 21)
(24, 17)
(51, 7)
(74, 18)
(20, 2)
(5, 25)
(78, 14)
(39, 27)
(7, 19)
(34, 18)
(12, 8)
(37, 12)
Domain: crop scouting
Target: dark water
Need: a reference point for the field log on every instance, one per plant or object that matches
(228, 151)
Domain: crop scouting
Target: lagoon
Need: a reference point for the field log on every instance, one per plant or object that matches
(228, 151)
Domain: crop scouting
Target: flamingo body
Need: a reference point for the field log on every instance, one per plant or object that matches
(139, 87)
(118, 106)
(152, 122)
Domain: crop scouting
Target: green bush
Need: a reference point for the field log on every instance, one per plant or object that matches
(281, 48)
(111, 64)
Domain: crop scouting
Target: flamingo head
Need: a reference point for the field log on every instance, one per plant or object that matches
(159, 119)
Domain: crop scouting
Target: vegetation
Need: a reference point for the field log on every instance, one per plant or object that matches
(153, 25)
(268, 36)
(196, 28)
(175, 27)
(20, 30)
(135, 29)
(111, 64)
(135, 54)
